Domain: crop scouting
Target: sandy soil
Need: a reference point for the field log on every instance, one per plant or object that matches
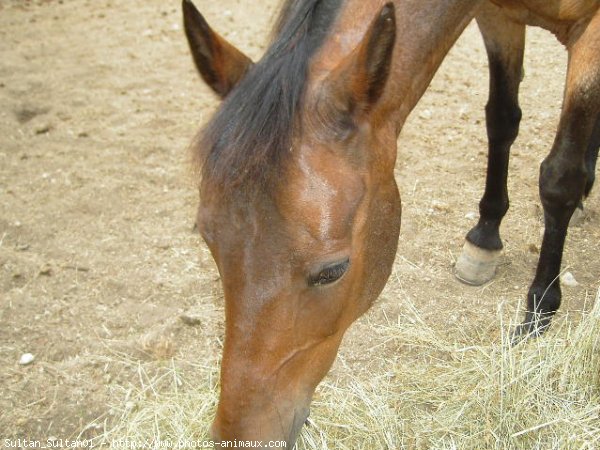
(98, 262)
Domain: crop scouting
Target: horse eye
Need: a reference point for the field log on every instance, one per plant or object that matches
(329, 273)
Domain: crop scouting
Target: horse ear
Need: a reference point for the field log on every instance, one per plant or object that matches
(220, 64)
(358, 81)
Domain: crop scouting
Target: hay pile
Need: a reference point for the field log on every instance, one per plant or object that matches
(541, 394)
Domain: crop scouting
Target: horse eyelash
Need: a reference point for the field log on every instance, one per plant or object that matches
(329, 274)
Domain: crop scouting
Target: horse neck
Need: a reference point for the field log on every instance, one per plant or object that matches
(426, 30)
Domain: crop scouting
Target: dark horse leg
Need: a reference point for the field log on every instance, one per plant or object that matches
(504, 41)
(591, 156)
(565, 174)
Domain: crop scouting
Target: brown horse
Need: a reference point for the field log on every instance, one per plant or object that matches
(299, 205)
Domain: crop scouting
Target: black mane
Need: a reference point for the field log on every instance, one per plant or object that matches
(243, 146)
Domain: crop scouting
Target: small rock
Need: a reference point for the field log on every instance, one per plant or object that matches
(190, 319)
(42, 128)
(46, 270)
(471, 215)
(440, 206)
(425, 114)
(163, 245)
(567, 279)
(26, 358)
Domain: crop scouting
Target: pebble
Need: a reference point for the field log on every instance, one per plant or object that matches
(567, 279)
(46, 270)
(425, 114)
(26, 358)
(190, 319)
(471, 215)
(440, 206)
(42, 128)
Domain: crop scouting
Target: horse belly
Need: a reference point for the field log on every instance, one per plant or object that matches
(557, 16)
(563, 10)
(552, 10)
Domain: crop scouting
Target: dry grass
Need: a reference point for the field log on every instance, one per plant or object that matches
(542, 394)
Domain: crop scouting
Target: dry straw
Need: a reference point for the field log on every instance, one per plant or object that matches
(542, 394)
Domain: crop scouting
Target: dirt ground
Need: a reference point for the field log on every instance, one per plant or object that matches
(98, 262)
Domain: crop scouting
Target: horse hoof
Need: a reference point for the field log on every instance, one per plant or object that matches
(577, 218)
(532, 327)
(476, 266)
(522, 333)
(525, 332)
